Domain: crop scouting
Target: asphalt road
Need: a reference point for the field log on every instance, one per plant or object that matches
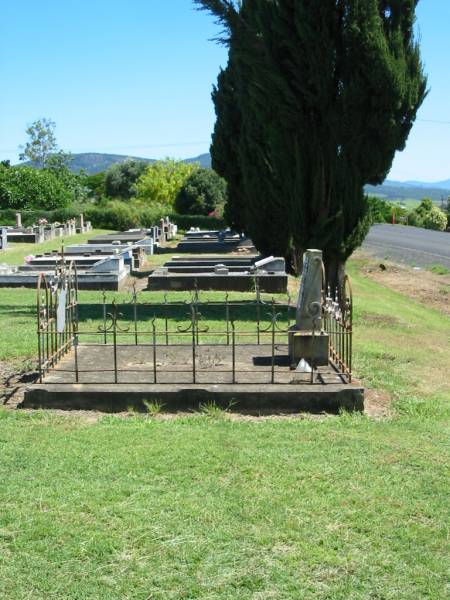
(410, 245)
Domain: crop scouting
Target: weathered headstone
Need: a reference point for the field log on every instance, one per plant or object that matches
(308, 316)
(4, 238)
(18, 220)
(307, 341)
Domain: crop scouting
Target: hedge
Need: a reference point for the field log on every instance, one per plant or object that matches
(117, 216)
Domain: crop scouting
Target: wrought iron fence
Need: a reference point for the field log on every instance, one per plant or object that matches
(57, 317)
(137, 340)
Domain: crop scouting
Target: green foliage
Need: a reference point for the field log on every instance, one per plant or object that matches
(74, 183)
(201, 193)
(439, 270)
(162, 180)
(28, 188)
(428, 215)
(327, 93)
(120, 179)
(95, 185)
(225, 147)
(41, 143)
(435, 219)
(380, 211)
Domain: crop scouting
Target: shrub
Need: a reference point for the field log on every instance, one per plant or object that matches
(202, 193)
(435, 219)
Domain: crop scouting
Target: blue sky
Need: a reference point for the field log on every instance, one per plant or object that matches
(134, 77)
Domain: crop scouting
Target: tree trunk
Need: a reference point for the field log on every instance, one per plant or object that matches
(335, 275)
(294, 262)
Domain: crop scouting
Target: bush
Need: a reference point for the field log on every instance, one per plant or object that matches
(202, 193)
(28, 188)
(435, 219)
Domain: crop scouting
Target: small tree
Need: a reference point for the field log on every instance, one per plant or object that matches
(121, 178)
(201, 193)
(162, 181)
(41, 143)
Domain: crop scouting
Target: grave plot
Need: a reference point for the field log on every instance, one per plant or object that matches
(200, 241)
(110, 357)
(224, 273)
(95, 270)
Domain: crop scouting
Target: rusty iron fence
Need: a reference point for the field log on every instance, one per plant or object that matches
(191, 328)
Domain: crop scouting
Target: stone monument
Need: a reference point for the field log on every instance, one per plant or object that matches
(18, 220)
(307, 340)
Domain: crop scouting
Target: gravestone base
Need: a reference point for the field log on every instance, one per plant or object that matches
(313, 348)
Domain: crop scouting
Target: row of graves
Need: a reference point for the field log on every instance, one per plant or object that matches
(103, 263)
(42, 231)
(221, 261)
(247, 351)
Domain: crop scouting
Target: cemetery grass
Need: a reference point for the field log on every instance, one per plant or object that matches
(212, 506)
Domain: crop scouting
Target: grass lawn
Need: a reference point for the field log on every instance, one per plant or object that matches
(211, 506)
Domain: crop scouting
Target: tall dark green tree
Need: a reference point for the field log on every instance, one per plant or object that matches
(225, 143)
(327, 92)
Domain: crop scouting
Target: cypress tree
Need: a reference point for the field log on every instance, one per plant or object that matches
(327, 91)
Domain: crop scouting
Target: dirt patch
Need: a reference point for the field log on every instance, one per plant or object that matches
(420, 285)
(377, 404)
(14, 377)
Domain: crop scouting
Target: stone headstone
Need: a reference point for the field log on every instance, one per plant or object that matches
(307, 341)
(82, 221)
(308, 316)
(18, 220)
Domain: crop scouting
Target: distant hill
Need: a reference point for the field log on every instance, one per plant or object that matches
(442, 185)
(94, 162)
(397, 190)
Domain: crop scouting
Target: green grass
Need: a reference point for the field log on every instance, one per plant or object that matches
(439, 269)
(202, 508)
(207, 507)
(15, 253)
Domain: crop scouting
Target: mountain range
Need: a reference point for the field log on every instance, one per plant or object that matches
(94, 162)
